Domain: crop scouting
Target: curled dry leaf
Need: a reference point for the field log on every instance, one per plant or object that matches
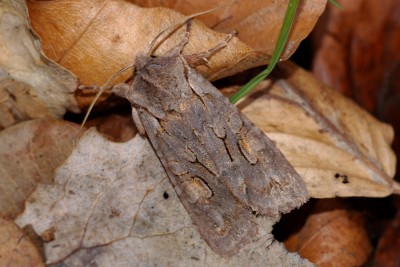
(29, 153)
(16, 249)
(257, 22)
(357, 51)
(37, 80)
(334, 236)
(95, 39)
(113, 204)
(338, 148)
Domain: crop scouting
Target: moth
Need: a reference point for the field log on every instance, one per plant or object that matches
(223, 168)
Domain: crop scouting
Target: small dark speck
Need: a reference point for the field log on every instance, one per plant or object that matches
(166, 195)
(337, 175)
(195, 258)
(71, 192)
(116, 38)
(345, 181)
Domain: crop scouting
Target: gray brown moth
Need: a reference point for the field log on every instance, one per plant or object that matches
(224, 169)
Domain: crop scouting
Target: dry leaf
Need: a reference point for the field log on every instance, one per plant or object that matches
(357, 51)
(387, 252)
(29, 153)
(18, 103)
(338, 148)
(16, 249)
(334, 236)
(95, 39)
(80, 36)
(119, 128)
(257, 22)
(37, 79)
(113, 204)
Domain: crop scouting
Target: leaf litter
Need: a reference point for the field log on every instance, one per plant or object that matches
(113, 203)
(84, 241)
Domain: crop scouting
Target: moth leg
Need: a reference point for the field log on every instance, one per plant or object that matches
(194, 60)
(137, 121)
(122, 90)
(177, 50)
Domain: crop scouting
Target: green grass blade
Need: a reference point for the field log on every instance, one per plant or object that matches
(336, 4)
(279, 47)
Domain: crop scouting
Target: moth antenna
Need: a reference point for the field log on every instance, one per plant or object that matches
(149, 52)
(183, 20)
(101, 91)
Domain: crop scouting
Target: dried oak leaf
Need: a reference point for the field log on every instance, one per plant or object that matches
(94, 39)
(29, 153)
(16, 249)
(257, 22)
(114, 205)
(334, 236)
(338, 148)
(26, 75)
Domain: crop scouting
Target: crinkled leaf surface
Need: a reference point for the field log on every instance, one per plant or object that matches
(337, 147)
(47, 84)
(113, 204)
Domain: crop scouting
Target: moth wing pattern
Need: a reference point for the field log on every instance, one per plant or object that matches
(265, 181)
(223, 168)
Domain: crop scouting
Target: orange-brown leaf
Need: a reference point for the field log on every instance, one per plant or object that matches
(334, 236)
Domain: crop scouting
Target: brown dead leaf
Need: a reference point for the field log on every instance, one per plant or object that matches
(257, 22)
(18, 103)
(95, 39)
(357, 51)
(387, 252)
(16, 249)
(119, 128)
(334, 236)
(338, 148)
(113, 204)
(37, 80)
(29, 153)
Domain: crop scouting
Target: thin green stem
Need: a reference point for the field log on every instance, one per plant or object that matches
(336, 4)
(279, 47)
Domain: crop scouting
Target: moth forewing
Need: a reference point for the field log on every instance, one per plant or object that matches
(221, 165)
